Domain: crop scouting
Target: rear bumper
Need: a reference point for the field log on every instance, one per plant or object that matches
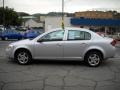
(110, 53)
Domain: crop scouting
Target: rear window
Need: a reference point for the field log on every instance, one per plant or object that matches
(78, 35)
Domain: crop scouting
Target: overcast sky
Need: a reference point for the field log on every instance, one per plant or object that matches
(45, 6)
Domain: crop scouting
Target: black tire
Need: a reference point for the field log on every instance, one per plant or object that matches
(2, 38)
(93, 58)
(19, 38)
(23, 57)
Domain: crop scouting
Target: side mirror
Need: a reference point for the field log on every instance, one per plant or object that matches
(40, 40)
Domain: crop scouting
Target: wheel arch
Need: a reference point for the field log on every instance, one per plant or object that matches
(97, 50)
(21, 49)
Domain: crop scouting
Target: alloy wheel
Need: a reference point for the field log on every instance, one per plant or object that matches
(23, 57)
(93, 59)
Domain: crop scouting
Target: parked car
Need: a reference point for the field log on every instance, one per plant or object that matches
(0, 33)
(116, 37)
(2, 28)
(69, 44)
(10, 34)
(31, 33)
(101, 34)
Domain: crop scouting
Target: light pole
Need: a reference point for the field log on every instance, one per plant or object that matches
(62, 14)
(3, 15)
(3, 3)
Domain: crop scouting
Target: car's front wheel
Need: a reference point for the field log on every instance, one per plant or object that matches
(93, 58)
(4, 38)
(23, 57)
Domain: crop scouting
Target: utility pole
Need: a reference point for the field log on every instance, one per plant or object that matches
(3, 15)
(63, 14)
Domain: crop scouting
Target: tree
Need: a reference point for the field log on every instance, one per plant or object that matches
(11, 17)
(23, 14)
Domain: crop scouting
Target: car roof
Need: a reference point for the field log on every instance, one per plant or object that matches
(71, 28)
(94, 35)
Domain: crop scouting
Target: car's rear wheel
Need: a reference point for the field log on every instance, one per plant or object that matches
(23, 57)
(19, 38)
(93, 58)
(6, 38)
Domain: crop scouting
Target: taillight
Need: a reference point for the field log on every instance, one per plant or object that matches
(113, 43)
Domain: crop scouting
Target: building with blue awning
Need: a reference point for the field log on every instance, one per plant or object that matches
(99, 21)
(95, 22)
(113, 25)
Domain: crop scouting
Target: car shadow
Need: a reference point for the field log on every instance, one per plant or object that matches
(49, 62)
(61, 63)
(57, 62)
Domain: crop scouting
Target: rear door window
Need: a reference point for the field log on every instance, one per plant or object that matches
(78, 35)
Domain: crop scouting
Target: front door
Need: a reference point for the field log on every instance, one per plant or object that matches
(50, 46)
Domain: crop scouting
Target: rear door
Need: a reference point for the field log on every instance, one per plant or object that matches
(76, 43)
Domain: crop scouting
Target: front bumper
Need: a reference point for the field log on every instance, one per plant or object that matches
(9, 53)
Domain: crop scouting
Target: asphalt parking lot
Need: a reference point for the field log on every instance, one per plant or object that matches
(58, 75)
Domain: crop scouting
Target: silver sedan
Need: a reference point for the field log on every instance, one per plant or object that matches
(68, 44)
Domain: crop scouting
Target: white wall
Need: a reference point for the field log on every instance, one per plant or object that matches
(32, 23)
(55, 22)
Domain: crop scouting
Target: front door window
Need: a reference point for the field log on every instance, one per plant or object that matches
(54, 36)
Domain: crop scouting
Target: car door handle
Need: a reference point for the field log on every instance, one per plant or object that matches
(58, 44)
(83, 43)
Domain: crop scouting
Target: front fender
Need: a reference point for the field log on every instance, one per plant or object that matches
(29, 48)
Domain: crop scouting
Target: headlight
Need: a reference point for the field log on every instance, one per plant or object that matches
(10, 47)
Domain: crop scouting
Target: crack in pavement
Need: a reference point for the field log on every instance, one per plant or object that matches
(115, 74)
(2, 85)
(44, 83)
(68, 71)
(94, 88)
(18, 82)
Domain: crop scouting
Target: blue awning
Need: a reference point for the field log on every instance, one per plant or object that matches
(95, 22)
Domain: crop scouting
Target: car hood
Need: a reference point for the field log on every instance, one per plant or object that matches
(26, 41)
